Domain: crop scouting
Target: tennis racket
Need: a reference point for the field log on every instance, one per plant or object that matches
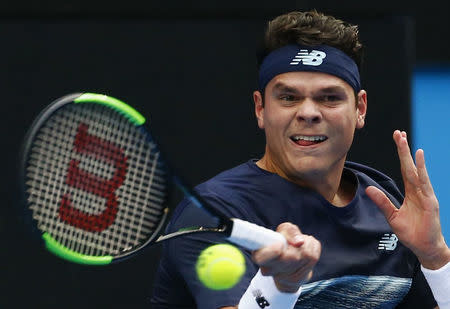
(96, 184)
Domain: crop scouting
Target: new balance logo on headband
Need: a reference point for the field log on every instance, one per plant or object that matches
(320, 58)
(315, 57)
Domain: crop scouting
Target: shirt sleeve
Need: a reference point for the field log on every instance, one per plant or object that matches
(420, 295)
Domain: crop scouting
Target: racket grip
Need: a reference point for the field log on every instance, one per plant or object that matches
(252, 236)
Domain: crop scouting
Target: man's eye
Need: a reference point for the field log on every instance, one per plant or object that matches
(287, 97)
(329, 98)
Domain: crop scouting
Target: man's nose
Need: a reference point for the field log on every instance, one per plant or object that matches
(309, 112)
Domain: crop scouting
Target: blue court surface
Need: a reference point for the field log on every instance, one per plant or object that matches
(431, 131)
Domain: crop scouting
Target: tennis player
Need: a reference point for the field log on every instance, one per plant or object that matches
(354, 240)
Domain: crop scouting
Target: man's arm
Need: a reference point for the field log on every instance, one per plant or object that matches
(292, 266)
(416, 223)
(289, 266)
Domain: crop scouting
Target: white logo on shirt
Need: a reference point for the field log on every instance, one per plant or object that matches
(388, 242)
(315, 57)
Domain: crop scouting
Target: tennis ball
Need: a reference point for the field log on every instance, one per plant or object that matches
(220, 267)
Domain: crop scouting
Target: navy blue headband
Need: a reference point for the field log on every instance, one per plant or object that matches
(321, 58)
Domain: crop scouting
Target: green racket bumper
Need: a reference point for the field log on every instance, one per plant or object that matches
(114, 103)
(72, 256)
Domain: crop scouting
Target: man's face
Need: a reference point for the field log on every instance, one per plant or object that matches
(309, 120)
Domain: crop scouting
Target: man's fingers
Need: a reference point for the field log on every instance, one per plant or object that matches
(294, 262)
(266, 255)
(292, 234)
(408, 168)
(424, 180)
(299, 257)
(382, 201)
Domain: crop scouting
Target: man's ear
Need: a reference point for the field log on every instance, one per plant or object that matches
(259, 108)
(361, 108)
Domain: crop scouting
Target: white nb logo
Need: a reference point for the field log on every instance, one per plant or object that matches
(388, 242)
(315, 57)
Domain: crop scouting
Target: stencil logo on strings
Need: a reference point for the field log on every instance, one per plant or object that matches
(314, 58)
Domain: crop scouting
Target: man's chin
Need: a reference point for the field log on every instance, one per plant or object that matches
(309, 167)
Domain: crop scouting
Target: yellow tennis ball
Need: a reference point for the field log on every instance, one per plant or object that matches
(220, 267)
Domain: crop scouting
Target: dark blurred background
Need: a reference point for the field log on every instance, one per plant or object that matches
(190, 66)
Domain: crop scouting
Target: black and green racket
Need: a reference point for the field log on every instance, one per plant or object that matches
(96, 184)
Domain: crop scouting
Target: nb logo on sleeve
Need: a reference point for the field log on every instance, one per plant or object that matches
(314, 58)
(388, 242)
(260, 300)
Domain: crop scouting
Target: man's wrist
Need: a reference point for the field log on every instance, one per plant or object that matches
(439, 282)
(262, 292)
(287, 288)
(437, 261)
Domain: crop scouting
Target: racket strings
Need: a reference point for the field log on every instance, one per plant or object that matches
(120, 173)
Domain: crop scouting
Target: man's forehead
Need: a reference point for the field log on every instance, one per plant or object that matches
(308, 80)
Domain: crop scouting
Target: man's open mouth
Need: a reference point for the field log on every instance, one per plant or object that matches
(308, 140)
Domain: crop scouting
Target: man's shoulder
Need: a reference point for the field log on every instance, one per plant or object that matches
(367, 171)
(225, 192)
(241, 176)
(369, 176)
(242, 170)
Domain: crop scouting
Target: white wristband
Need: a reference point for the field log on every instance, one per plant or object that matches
(263, 293)
(439, 282)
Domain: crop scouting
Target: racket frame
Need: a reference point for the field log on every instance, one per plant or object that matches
(225, 224)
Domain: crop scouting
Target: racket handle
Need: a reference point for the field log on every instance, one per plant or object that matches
(252, 236)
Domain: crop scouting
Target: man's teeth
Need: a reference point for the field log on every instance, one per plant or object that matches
(309, 138)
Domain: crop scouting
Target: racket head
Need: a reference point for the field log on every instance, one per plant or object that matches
(94, 185)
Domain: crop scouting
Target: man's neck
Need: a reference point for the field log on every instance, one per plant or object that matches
(335, 188)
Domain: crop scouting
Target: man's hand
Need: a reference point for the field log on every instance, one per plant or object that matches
(292, 266)
(416, 223)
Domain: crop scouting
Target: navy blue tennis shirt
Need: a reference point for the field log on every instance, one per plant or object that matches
(362, 262)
